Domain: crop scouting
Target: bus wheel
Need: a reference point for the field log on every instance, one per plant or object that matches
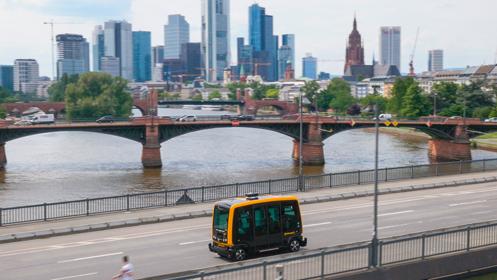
(294, 245)
(240, 254)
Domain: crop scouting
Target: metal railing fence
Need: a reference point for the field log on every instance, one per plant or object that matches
(167, 198)
(320, 263)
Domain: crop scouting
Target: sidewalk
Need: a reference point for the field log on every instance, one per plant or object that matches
(122, 219)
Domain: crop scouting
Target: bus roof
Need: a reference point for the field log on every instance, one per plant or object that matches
(246, 201)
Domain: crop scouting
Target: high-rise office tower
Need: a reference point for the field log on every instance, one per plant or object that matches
(264, 43)
(142, 56)
(435, 60)
(98, 47)
(355, 49)
(245, 58)
(215, 38)
(26, 75)
(176, 33)
(119, 43)
(310, 64)
(390, 46)
(157, 55)
(286, 54)
(7, 77)
(191, 60)
(73, 55)
(110, 65)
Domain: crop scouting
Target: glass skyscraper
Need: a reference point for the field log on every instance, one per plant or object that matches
(118, 40)
(263, 42)
(390, 46)
(7, 77)
(142, 56)
(286, 54)
(98, 47)
(176, 33)
(310, 64)
(73, 53)
(215, 38)
(435, 60)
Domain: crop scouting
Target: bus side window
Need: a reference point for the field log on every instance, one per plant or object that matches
(260, 221)
(274, 219)
(244, 224)
(290, 219)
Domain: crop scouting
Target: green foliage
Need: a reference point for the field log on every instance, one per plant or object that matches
(370, 100)
(339, 96)
(446, 94)
(399, 90)
(169, 96)
(97, 94)
(7, 96)
(3, 112)
(215, 95)
(415, 103)
(483, 112)
(57, 91)
(311, 90)
(197, 97)
(207, 85)
(272, 93)
(259, 90)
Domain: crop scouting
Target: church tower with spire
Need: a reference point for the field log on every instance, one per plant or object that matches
(355, 50)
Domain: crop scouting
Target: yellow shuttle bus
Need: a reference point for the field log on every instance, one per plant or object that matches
(244, 226)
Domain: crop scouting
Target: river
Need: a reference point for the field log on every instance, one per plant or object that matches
(76, 165)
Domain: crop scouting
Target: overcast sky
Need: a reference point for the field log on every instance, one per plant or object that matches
(466, 30)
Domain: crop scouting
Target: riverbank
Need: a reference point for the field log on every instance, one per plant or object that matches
(404, 133)
(485, 142)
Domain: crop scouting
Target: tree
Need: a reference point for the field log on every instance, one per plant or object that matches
(311, 90)
(215, 95)
(415, 103)
(197, 97)
(354, 110)
(371, 100)
(446, 95)
(272, 93)
(399, 90)
(339, 96)
(97, 94)
(57, 91)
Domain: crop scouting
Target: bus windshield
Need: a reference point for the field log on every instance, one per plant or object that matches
(221, 218)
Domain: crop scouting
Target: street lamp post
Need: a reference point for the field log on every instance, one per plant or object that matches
(434, 104)
(374, 242)
(301, 186)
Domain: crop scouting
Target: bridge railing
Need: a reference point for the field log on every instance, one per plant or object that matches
(355, 257)
(173, 197)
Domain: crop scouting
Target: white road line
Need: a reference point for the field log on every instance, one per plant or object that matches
(194, 242)
(467, 203)
(75, 276)
(396, 213)
(318, 225)
(394, 226)
(92, 257)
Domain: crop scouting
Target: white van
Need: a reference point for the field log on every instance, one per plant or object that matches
(43, 119)
(384, 117)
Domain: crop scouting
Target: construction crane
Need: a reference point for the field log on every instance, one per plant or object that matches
(52, 40)
(411, 62)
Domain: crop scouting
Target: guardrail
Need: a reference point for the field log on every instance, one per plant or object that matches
(167, 198)
(355, 257)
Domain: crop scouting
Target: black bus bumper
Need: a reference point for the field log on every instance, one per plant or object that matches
(303, 242)
(224, 251)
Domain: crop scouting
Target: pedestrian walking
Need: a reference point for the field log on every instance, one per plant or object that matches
(126, 272)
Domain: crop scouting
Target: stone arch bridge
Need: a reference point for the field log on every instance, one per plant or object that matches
(450, 139)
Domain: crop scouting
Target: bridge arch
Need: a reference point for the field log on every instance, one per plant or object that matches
(169, 132)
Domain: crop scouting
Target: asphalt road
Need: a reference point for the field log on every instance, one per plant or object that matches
(177, 246)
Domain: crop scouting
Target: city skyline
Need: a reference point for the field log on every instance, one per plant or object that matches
(329, 20)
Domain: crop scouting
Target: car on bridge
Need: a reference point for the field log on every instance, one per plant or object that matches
(491, 120)
(243, 118)
(187, 119)
(106, 119)
(242, 227)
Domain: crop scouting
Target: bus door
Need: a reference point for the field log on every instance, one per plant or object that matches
(275, 236)
(260, 227)
(291, 219)
(244, 226)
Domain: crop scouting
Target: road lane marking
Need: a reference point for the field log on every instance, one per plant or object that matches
(193, 242)
(396, 213)
(467, 203)
(75, 276)
(90, 258)
(318, 225)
